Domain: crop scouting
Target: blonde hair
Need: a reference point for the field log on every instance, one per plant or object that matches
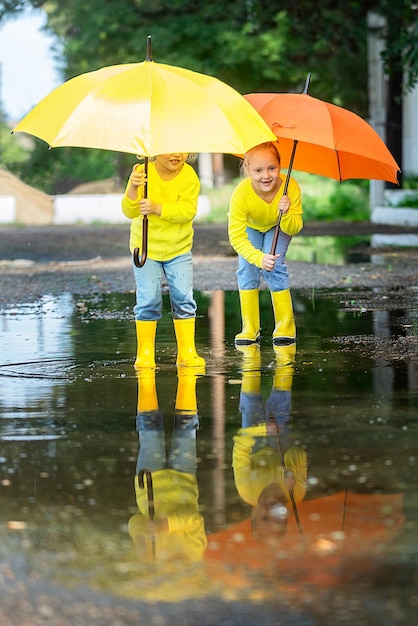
(269, 145)
(191, 157)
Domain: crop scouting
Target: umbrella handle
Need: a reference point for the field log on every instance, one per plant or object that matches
(139, 262)
(286, 185)
(147, 474)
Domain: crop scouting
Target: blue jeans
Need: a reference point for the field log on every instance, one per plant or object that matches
(149, 297)
(249, 275)
(153, 455)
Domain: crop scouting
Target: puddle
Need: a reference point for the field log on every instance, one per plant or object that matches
(344, 250)
(326, 249)
(342, 420)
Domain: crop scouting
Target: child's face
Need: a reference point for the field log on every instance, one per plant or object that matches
(269, 517)
(172, 162)
(263, 167)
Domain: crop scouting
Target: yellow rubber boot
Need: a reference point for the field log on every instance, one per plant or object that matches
(186, 391)
(186, 350)
(285, 355)
(251, 369)
(147, 393)
(250, 315)
(283, 374)
(285, 330)
(145, 335)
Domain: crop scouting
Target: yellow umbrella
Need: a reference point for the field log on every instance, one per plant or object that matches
(147, 109)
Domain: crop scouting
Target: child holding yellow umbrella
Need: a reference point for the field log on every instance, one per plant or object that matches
(171, 207)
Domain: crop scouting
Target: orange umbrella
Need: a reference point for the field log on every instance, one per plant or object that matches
(336, 530)
(331, 141)
(321, 138)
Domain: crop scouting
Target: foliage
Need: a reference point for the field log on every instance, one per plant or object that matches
(323, 199)
(254, 45)
(11, 151)
(409, 201)
(410, 182)
(58, 171)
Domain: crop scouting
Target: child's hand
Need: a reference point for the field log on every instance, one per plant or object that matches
(269, 261)
(137, 177)
(284, 204)
(148, 206)
(289, 481)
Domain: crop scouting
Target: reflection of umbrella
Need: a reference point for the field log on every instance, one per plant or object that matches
(147, 109)
(337, 529)
(330, 140)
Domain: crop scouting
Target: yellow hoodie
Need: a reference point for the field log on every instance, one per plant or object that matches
(175, 498)
(253, 472)
(170, 233)
(246, 208)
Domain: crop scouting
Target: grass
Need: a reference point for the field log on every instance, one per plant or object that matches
(323, 199)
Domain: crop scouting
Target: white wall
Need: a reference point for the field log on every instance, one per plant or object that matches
(85, 209)
(7, 210)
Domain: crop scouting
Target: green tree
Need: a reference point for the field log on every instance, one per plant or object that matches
(11, 151)
(255, 45)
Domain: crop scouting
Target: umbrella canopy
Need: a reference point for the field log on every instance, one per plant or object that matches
(331, 141)
(147, 109)
(337, 529)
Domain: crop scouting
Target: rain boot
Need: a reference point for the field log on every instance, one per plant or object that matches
(145, 334)
(251, 402)
(186, 351)
(186, 402)
(147, 394)
(279, 402)
(251, 369)
(285, 355)
(250, 314)
(284, 370)
(149, 416)
(284, 333)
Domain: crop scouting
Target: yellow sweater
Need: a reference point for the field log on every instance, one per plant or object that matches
(253, 472)
(246, 208)
(170, 233)
(175, 498)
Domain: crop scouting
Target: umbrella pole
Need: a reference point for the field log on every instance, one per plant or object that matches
(286, 185)
(150, 491)
(292, 498)
(139, 262)
(289, 171)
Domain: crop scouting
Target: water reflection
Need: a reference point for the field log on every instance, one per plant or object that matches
(295, 534)
(345, 401)
(168, 527)
(269, 472)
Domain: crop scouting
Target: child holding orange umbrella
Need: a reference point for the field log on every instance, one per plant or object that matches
(253, 214)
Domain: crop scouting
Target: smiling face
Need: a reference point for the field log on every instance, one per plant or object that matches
(262, 165)
(269, 517)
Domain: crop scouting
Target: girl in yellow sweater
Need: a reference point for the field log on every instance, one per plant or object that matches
(170, 208)
(253, 214)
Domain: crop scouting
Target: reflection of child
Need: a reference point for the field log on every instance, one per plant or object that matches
(266, 478)
(177, 530)
(253, 214)
(174, 190)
